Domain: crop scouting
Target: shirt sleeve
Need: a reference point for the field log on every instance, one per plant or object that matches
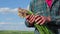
(56, 19)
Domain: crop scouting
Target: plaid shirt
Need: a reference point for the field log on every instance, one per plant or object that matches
(40, 7)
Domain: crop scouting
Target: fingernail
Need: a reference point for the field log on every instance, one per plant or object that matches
(40, 24)
(36, 23)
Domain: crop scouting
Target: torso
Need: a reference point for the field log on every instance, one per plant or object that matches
(42, 7)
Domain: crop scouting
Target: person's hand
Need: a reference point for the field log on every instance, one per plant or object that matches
(38, 19)
(30, 18)
(41, 19)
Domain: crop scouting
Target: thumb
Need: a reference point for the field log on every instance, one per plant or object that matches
(27, 16)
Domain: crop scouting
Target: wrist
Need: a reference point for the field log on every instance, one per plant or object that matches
(48, 19)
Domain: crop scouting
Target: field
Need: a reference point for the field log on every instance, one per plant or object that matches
(16, 32)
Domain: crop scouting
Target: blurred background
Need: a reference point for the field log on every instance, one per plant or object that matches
(9, 20)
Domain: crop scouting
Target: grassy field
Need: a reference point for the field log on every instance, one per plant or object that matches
(16, 32)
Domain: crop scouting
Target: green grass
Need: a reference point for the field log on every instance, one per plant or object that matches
(16, 32)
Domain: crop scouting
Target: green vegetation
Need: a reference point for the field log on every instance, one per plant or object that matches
(15, 32)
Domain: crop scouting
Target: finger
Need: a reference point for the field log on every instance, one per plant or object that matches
(42, 22)
(27, 16)
(39, 21)
(31, 22)
(28, 21)
(36, 16)
(32, 19)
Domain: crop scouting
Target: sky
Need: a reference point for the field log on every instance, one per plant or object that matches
(9, 20)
